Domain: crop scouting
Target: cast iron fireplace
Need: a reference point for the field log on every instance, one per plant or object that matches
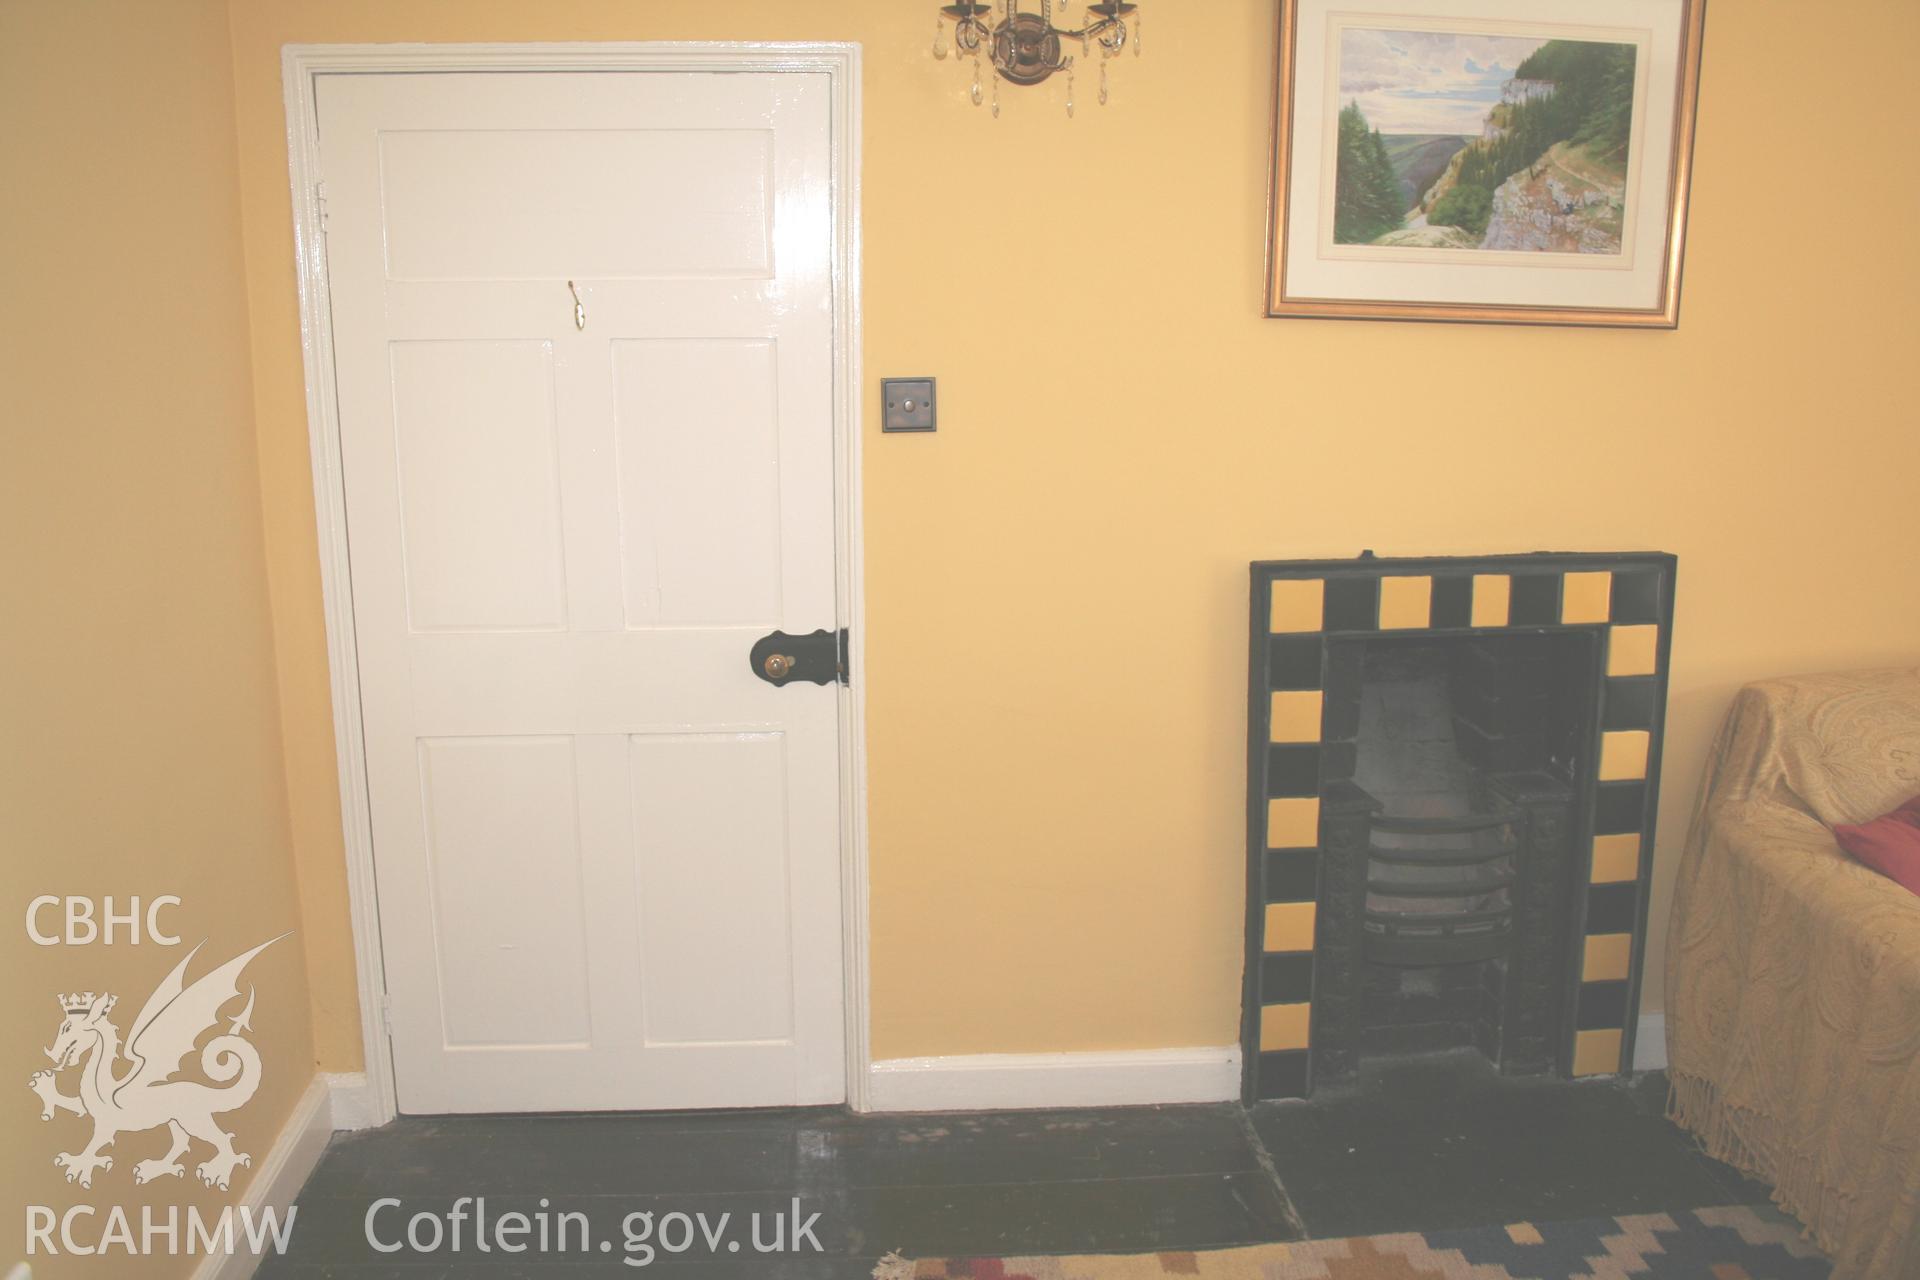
(1451, 773)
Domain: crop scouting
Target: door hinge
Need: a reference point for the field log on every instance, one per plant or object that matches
(386, 1012)
(320, 204)
(846, 659)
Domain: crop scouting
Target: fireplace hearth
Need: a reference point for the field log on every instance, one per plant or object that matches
(1451, 775)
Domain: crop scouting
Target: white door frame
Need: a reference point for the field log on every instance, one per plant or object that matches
(301, 65)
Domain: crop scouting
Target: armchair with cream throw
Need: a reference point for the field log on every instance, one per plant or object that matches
(1793, 972)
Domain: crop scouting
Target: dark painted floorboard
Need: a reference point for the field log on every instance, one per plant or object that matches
(1442, 1143)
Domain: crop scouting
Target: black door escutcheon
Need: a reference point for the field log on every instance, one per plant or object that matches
(781, 659)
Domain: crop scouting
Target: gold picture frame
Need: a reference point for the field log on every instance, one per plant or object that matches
(1593, 234)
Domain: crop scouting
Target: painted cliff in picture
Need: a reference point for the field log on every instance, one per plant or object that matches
(1482, 141)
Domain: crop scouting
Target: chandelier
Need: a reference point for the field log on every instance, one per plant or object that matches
(1026, 48)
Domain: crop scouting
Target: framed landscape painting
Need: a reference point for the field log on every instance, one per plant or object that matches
(1500, 161)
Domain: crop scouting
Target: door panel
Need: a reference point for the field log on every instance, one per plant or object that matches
(513, 965)
(487, 205)
(479, 485)
(704, 985)
(698, 437)
(607, 855)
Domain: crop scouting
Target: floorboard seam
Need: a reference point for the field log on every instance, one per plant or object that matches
(1264, 1158)
(528, 1192)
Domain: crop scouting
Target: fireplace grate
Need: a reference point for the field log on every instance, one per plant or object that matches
(1439, 889)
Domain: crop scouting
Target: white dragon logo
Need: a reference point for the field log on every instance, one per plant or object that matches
(146, 1096)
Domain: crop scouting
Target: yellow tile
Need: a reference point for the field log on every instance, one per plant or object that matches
(1634, 651)
(1295, 715)
(1406, 602)
(1289, 926)
(1623, 754)
(1293, 823)
(1586, 597)
(1525, 1233)
(1299, 604)
(1607, 957)
(1491, 594)
(1596, 1053)
(1284, 1026)
(1616, 858)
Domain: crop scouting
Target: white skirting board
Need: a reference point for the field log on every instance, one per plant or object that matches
(277, 1179)
(354, 1104)
(994, 1081)
(1650, 1042)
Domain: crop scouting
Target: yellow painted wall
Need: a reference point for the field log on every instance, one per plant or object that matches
(139, 737)
(1056, 581)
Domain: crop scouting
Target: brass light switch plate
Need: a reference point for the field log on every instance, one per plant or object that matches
(906, 404)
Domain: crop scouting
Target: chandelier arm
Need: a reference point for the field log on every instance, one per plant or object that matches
(1091, 31)
(1065, 64)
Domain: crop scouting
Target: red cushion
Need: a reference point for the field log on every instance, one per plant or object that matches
(1890, 845)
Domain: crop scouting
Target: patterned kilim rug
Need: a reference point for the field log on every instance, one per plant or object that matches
(1737, 1243)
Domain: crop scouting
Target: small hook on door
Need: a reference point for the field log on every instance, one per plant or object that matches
(579, 307)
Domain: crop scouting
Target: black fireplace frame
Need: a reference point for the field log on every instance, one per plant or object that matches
(1295, 607)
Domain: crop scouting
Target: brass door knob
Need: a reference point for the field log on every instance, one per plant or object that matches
(778, 665)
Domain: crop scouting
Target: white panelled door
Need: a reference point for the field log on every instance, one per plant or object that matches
(607, 855)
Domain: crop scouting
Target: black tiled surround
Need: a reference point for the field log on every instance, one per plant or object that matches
(1353, 604)
(1592, 632)
(1455, 1146)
